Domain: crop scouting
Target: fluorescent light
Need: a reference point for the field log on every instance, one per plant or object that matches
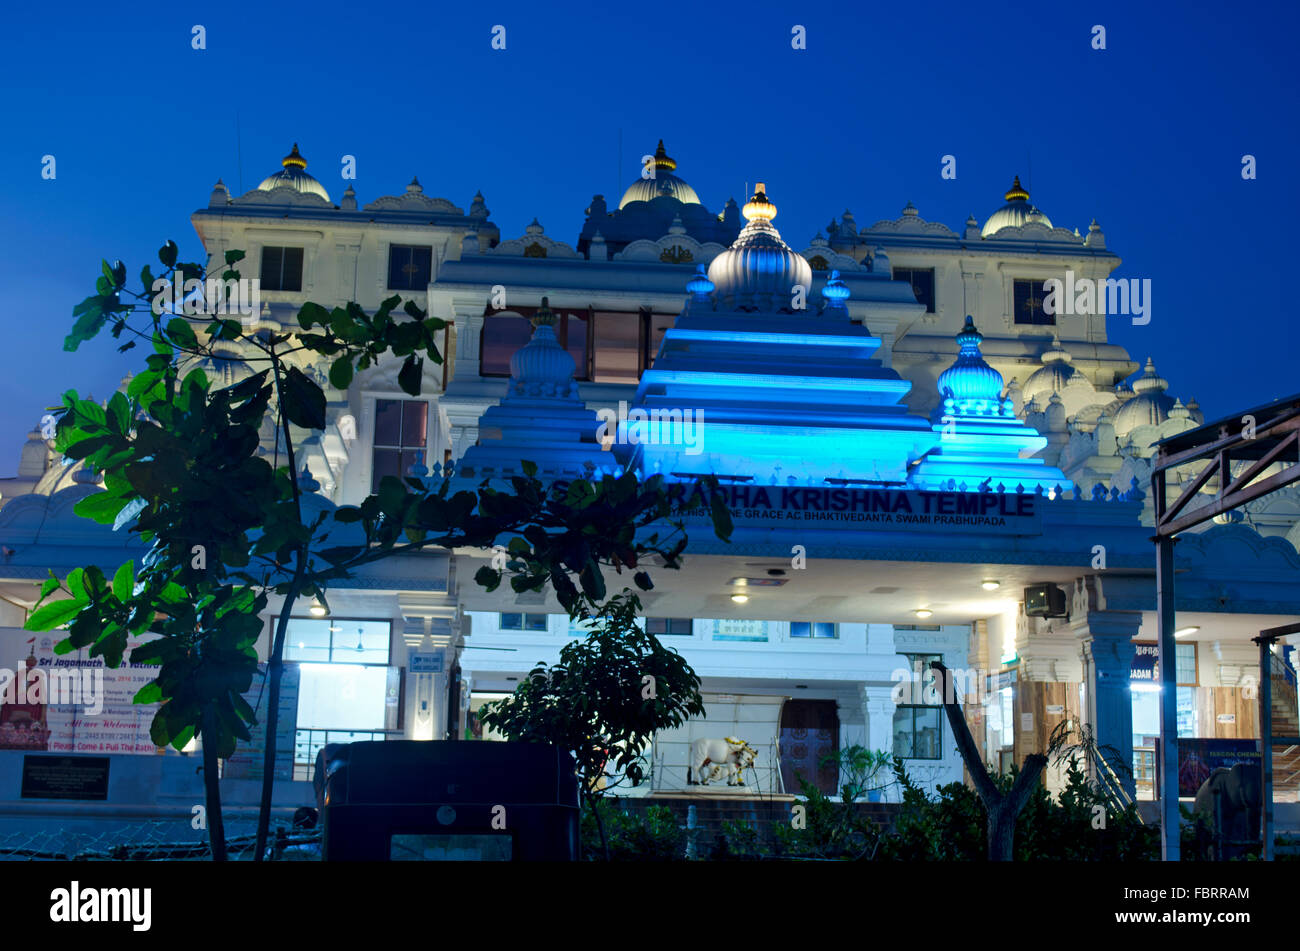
(1186, 630)
(923, 612)
(990, 585)
(740, 598)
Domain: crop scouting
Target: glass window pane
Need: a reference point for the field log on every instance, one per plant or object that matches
(824, 629)
(659, 323)
(292, 269)
(415, 419)
(536, 622)
(388, 422)
(656, 625)
(903, 732)
(512, 622)
(342, 696)
(576, 343)
(307, 639)
(1185, 663)
(1028, 299)
(399, 258)
(681, 625)
(617, 348)
(388, 462)
(360, 642)
(928, 736)
(502, 335)
(272, 264)
(799, 629)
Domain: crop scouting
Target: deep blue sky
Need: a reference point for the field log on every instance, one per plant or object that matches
(1147, 136)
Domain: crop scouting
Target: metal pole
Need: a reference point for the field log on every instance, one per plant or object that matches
(1170, 821)
(1266, 742)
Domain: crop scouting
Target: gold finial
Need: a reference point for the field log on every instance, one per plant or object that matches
(544, 317)
(294, 159)
(758, 206)
(1016, 192)
(662, 160)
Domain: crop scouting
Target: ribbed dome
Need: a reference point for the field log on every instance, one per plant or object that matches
(759, 269)
(970, 383)
(1053, 376)
(294, 175)
(1016, 212)
(542, 367)
(1150, 407)
(664, 183)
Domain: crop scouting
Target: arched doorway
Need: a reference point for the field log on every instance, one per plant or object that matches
(810, 730)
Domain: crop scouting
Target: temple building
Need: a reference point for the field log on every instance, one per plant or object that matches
(922, 461)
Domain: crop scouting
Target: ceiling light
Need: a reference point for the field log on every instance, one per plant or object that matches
(1186, 630)
(317, 609)
(923, 612)
(739, 582)
(990, 585)
(740, 598)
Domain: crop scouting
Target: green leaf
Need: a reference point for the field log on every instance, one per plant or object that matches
(341, 372)
(124, 582)
(53, 615)
(167, 253)
(233, 256)
(411, 374)
(182, 334)
(304, 401)
(149, 693)
(129, 512)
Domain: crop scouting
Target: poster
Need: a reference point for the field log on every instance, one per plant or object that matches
(1197, 758)
(248, 762)
(71, 703)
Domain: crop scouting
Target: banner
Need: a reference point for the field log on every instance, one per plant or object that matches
(1198, 757)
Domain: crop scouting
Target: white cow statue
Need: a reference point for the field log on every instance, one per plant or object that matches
(731, 755)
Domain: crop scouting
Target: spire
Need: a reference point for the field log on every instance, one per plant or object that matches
(1016, 192)
(294, 159)
(970, 385)
(662, 160)
(758, 207)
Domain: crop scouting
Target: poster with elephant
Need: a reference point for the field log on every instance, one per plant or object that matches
(1197, 758)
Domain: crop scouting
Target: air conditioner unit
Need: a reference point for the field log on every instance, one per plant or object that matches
(1045, 600)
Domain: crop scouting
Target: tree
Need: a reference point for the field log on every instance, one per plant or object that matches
(182, 466)
(1002, 807)
(603, 702)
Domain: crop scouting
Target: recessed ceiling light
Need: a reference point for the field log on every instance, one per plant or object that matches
(740, 598)
(990, 585)
(1186, 630)
(923, 612)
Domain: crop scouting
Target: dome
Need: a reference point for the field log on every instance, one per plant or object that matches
(294, 175)
(1150, 407)
(664, 183)
(542, 367)
(759, 269)
(1053, 376)
(1016, 212)
(970, 383)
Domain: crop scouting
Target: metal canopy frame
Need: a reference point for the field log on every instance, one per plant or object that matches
(1266, 640)
(1261, 436)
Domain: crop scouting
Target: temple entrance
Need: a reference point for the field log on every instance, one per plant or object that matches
(810, 729)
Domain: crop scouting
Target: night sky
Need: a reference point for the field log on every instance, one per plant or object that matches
(1147, 136)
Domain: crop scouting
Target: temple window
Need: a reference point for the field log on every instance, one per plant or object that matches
(922, 282)
(281, 269)
(1027, 304)
(522, 622)
(663, 626)
(409, 268)
(814, 629)
(401, 438)
(918, 727)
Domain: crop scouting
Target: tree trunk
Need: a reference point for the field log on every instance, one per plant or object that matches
(275, 673)
(594, 805)
(1002, 810)
(212, 785)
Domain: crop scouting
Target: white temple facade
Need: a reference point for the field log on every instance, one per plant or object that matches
(908, 438)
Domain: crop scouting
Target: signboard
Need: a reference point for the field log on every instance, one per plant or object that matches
(1197, 758)
(843, 507)
(248, 761)
(1145, 663)
(71, 703)
(65, 777)
(426, 663)
(737, 629)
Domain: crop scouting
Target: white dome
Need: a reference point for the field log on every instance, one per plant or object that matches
(1053, 376)
(1150, 407)
(664, 183)
(759, 269)
(294, 175)
(1016, 212)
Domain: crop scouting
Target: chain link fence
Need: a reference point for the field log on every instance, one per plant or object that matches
(155, 841)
